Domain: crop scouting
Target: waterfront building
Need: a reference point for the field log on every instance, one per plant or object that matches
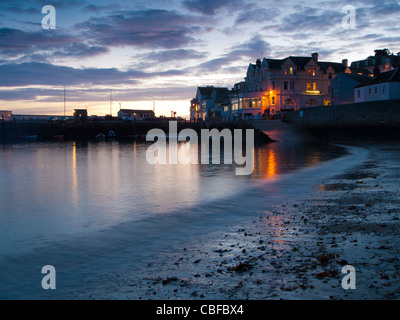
(209, 101)
(382, 61)
(342, 86)
(384, 86)
(280, 85)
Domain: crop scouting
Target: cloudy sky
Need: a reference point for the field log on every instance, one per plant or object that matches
(161, 50)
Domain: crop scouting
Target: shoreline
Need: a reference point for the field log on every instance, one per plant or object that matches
(296, 250)
(291, 244)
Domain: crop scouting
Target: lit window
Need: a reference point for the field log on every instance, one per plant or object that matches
(315, 86)
(309, 72)
(308, 86)
(314, 72)
(286, 71)
(291, 70)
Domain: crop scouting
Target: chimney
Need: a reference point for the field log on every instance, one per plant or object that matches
(315, 56)
(258, 63)
(345, 63)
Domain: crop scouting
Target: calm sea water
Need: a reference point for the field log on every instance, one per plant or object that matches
(94, 209)
(53, 189)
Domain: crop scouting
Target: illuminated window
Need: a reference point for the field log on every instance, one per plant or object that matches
(315, 86)
(314, 72)
(286, 71)
(291, 70)
(309, 72)
(308, 86)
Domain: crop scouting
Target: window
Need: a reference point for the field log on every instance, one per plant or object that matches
(358, 93)
(376, 90)
(315, 86)
(273, 101)
(383, 89)
(309, 72)
(285, 85)
(292, 85)
(291, 71)
(308, 86)
(286, 71)
(369, 91)
(273, 85)
(314, 72)
(330, 75)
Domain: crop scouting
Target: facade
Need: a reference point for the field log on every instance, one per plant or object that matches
(209, 101)
(342, 86)
(383, 61)
(385, 86)
(275, 86)
(135, 114)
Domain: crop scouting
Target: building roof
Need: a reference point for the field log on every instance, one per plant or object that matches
(301, 62)
(206, 92)
(388, 76)
(357, 77)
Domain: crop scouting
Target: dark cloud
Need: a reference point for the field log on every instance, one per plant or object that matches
(92, 8)
(35, 6)
(211, 7)
(15, 43)
(259, 15)
(25, 74)
(33, 73)
(145, 29)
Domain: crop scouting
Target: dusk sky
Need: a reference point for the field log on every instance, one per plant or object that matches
(163, 49)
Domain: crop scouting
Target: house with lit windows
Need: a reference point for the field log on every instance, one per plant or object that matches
(275, 86)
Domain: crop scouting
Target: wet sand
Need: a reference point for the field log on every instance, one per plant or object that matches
(294, 250)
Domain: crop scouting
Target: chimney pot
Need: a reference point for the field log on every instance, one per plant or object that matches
(315, 56)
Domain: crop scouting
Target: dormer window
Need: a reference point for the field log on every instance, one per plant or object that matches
(314, 72)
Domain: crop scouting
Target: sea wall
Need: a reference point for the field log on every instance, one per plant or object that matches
(19, 130)
(366, 121)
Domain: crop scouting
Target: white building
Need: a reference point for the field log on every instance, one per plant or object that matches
(385, 86)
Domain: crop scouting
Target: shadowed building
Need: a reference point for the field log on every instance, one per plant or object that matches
(342, 86)
(80, 115)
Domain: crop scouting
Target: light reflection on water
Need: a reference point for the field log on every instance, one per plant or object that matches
(52, 189)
